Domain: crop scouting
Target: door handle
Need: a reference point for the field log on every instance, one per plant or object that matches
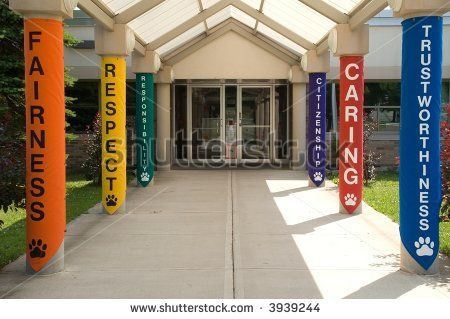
(240, 118)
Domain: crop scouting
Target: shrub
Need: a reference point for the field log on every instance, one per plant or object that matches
(445, 157)
(370, 156)
(93, 149)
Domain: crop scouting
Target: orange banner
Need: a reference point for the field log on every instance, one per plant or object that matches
(45, 131)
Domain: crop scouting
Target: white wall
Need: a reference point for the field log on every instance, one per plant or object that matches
(234, 57)
(231, 57)
(385, 57)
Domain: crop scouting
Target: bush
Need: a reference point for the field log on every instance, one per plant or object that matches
(445, 157)
(370, 157)
(93, 149)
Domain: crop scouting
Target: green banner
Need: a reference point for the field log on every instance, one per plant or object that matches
(145, 128)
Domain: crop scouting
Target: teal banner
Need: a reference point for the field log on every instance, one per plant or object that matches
(145, 128)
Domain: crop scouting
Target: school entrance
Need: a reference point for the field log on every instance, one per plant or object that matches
(231, 123)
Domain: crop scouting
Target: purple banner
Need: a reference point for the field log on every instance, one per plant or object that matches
(317, 127)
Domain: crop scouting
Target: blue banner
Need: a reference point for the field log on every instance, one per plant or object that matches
(420, 177)
(317, 158)
(144, 128)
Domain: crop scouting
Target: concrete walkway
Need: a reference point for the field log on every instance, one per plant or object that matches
(229, 234)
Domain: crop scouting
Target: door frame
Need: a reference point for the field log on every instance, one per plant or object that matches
(271, 124)
(190, 88)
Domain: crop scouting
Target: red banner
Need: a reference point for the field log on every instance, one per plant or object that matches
(45, 129)
(351, 132)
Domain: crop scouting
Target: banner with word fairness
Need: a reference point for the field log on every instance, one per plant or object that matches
(113, 110)
(45, 142)
(420, 177)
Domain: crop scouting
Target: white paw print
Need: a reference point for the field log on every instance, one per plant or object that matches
(350, 199)
(145, 177)
(424, 247)
(318, 177)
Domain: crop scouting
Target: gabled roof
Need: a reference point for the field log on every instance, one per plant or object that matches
(289, 26)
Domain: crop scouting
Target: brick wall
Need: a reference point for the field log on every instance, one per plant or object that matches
(75, 154)
(388, 149)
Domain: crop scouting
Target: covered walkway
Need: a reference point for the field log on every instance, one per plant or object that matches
(229, 234)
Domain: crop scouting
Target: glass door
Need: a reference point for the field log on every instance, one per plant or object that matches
(231, 124)
(255, 124)
(206, 124)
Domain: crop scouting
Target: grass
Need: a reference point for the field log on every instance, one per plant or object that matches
(382, 194)
(81, 195)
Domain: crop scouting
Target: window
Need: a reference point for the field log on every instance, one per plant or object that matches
(281, 121)
(382, 94)
(181, 122)
(85, 105)
(381, 104)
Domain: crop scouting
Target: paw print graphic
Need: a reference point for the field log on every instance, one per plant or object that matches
(350, 199)
(37, 248)
(424, 247)
(145, 177)
(318, 177)
(111, 200)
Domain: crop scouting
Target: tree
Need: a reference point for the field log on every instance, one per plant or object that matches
(12, 107)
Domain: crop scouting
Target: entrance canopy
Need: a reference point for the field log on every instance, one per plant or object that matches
(291, 27)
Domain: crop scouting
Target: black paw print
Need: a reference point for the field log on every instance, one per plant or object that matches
(111, 200)
(37, 248)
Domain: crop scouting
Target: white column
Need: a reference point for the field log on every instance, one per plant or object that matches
(163, 107)
(298, 149)
(299, 126)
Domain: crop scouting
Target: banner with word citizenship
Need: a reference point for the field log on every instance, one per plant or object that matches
(317, 127)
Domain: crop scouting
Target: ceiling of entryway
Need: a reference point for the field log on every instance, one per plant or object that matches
(291, 25)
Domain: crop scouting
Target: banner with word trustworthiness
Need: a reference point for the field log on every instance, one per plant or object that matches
(420, 179)
(144, 128)
(113, 109)
(45, 132)
(317, 127)
(351, 132)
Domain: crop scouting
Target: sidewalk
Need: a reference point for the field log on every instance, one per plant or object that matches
(225, 234)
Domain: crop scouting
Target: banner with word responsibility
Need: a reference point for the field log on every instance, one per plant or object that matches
(420, 178)
(317, 127)
(144, 128)
(114, 150)
(351, 132)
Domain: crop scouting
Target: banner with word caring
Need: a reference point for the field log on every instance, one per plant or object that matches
(351, 132)
(420, 179)
(317, 127)
(113, 109)
(145, 128)
(45, 140)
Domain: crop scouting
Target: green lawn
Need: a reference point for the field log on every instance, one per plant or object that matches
(81, 195)
(382, 195)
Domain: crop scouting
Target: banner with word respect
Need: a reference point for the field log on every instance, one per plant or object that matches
(45, 140)
(113, 109)
(420, 178)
